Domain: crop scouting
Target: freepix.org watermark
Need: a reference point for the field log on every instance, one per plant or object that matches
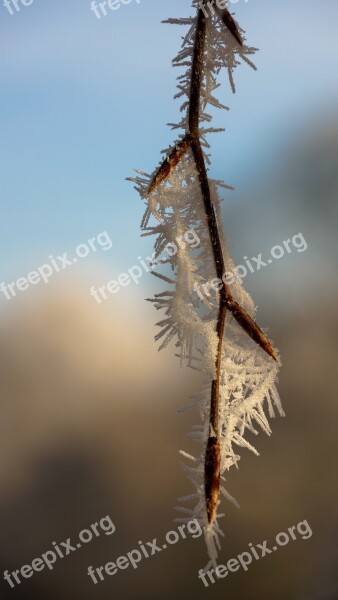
(60, 550)
(208, 6)
(14, 6)
(42, 274)
(256, 551)
(252, 265)
(100, 8)
(135, 272)
(144, 550)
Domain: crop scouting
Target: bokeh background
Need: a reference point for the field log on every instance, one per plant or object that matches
(89, 423)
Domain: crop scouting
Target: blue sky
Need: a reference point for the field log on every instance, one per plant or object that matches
(84, 101)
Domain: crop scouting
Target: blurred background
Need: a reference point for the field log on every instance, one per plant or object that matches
(89, 423)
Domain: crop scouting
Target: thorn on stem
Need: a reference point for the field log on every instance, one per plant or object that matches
(230, 24)
(170, 163)
(251, 327)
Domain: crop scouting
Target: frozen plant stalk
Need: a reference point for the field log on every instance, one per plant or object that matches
(215, 331)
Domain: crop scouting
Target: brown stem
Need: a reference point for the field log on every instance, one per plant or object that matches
(212, 453)
(226, 300)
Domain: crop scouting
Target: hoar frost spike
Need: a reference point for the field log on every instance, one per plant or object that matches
(215, 331)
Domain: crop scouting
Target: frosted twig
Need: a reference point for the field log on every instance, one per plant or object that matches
(226, 301)
(181, 198)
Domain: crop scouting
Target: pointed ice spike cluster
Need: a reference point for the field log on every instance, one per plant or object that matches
(240, 374)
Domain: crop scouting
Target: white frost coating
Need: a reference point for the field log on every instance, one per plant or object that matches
(248, 394)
